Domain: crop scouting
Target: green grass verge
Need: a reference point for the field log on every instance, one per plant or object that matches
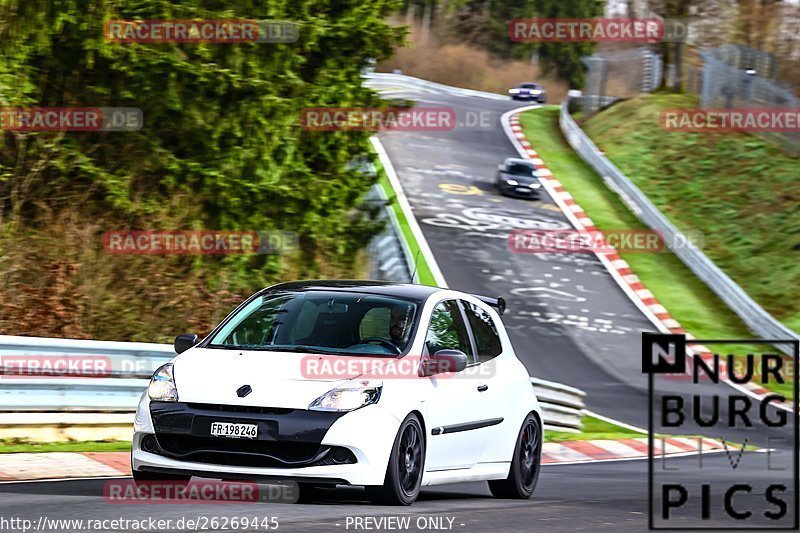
(424, 273)
(738, 188)
(594, 428)
(21, 446)
(688, 299)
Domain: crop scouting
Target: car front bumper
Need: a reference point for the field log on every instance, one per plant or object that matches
(534, 97)
(184, 446)
(520, 191)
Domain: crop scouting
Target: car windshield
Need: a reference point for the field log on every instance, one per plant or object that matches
(521, 169)
(321, 321)
(528, 86)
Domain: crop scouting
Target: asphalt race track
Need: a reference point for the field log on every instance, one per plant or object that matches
(568, 320)
(591, 497)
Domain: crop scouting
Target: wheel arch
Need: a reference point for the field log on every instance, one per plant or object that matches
(421, 421)
(538, 417)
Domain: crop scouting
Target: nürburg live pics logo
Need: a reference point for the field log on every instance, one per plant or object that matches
(741, 395)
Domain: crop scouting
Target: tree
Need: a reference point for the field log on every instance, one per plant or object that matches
(221, 146)
(484, 23)
(565, 58)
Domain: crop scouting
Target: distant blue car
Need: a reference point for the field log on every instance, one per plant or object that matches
(529, 91)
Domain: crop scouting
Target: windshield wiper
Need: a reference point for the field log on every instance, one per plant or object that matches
(300, 348)
(296, 348)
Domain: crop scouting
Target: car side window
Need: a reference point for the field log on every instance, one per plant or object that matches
(487, 341)
(447, 330)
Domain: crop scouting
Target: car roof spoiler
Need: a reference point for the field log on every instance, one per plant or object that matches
(498, 303)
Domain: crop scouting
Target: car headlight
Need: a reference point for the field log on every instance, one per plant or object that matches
(512, 182)
(513, 91)
(535, 185)
(162, 385)
(536, 91)
(349, 396)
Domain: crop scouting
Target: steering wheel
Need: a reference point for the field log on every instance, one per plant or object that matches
(383, 342)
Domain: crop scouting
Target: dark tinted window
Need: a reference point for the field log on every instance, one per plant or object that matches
(447, 330)
(483, 328)
(521, 169)
(336, 321)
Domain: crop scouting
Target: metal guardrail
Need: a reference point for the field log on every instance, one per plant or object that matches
(66, 399)
(389, 252)
(753, 315)
(381, 80)
(562, 405)
(129, 364)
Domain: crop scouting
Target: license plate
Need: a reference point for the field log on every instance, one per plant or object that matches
(523, 189)
(236, 431)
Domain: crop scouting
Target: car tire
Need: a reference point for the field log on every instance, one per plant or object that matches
(525, 465)
(145, 479)
(406, 465)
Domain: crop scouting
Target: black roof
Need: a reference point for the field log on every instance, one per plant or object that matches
(519, 161)
(387, 288)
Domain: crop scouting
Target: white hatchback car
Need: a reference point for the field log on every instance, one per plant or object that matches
(390, 386)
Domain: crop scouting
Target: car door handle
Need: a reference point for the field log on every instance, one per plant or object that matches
(482, 388)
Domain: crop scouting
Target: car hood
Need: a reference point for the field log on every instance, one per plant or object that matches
(277, 379)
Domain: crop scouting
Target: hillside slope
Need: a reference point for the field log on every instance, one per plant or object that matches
(742, 192)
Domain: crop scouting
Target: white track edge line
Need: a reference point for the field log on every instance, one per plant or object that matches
(405, 206)
(615, 422)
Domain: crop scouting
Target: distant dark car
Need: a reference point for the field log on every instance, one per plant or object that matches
(529, 91)
(518, 177)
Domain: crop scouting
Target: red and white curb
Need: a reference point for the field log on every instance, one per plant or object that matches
(618, 267)
(584, 451)
(56, 465)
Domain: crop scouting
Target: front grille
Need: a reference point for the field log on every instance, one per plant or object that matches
(245, 452)
(251, 409)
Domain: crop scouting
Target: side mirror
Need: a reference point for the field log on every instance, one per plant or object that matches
(501, 167)
(185, 341)
(443, 362)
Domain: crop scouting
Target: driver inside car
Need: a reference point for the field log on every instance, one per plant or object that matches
(398, 324)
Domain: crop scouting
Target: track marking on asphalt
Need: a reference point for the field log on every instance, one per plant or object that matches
(51, 480)
(545, 292)
(456, 188)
